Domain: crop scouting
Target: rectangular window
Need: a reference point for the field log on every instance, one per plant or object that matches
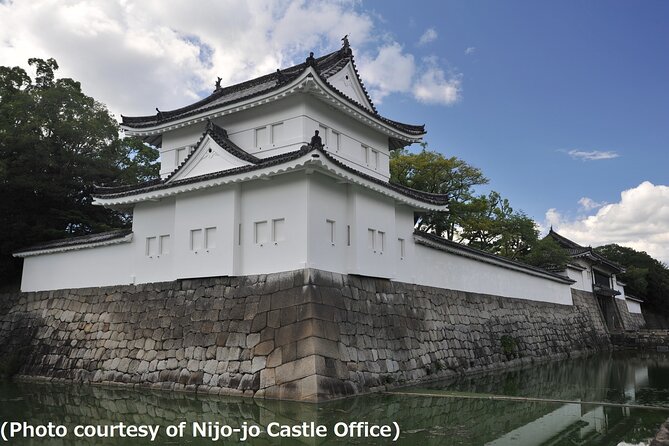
(277, 133)
(331, 231)
(348, 235)
(278, 229)
(336, 140)
(365, 153)
(381, 245)
(210, 238)
(602, 279)
(239, 234)
(371, 239)
(164, 244)
(260, 234)
(151, 246)
(400, 242)
(323, 133)
(375, 159)
(196, 239)
(261, 137)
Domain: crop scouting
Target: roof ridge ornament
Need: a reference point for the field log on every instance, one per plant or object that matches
(346, 46)
(217, 86)
(311, 62)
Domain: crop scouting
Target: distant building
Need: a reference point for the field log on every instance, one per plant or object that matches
(595, 274)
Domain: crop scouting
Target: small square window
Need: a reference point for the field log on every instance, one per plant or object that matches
(278, 229)
(260, 235)
(196, 239)
(151, 246)
(164, 244)
(210, 238)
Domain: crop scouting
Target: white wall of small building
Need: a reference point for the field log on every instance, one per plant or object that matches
(93, 267)
(441, 269)
(633, 306)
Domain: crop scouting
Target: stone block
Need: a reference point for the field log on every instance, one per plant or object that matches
(295, 370)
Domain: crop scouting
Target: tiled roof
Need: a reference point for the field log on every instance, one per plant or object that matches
(325, 67)
(124, 191)
(81, 240)
(573, 249)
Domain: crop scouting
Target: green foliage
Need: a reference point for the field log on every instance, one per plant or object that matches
(485, 222)
(547, 254)
(509, 346)
(432, 172)
(491, 224)
(644, 276)
(56, 143)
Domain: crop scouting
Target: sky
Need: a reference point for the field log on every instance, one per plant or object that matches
(563, 105)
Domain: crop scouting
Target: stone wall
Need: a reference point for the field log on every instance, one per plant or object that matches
(630, 321)
(642, 339)
(303, 335)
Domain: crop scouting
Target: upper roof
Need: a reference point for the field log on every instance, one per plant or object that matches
(324, 67)
(575, 250)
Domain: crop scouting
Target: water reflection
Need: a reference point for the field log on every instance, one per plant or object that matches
(424, 420)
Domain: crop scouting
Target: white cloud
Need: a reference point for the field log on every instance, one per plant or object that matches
(430, 35)
(470, 50)
(135, 55)
(589, 204)
(391, 71)
(593, 155)
(640, 220)
(433, 87)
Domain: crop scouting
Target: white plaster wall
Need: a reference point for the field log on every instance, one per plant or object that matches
(210, 249)
(283, 197)
(353, 135)
(580, 277)
(153, 219)
(328, 212)
(370, 211)
(441, 269)
(633, 306)
(346, 81)
(618, 287)
(104, 265)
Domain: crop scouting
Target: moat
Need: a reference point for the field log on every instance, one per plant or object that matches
(606, 399)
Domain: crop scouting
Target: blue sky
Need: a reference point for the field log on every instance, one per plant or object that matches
(563, 105)
(544, 79)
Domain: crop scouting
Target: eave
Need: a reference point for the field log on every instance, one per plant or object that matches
(313, 159)
(74, 244)
(308, 82)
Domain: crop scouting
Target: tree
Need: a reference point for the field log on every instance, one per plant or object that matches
(56, 143)
(644, 276)
(491, 224)
(432, 172)
(547, 254)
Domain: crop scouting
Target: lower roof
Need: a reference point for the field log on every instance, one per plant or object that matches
(308, 154)
(72, 243)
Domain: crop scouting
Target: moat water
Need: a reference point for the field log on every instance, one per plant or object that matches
(607, 399)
